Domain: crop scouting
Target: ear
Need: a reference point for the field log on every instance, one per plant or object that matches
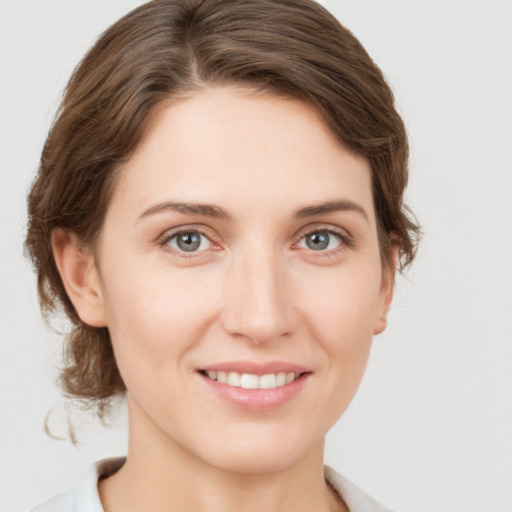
(80, 277)
(387, 289)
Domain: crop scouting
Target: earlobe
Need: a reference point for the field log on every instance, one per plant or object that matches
(386, 293)
(79, 275)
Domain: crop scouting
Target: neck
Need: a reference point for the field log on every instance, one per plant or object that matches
(160, 475)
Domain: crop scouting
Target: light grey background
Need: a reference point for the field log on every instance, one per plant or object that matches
(431, 427)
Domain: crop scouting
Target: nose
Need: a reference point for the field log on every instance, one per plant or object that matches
(258, 303)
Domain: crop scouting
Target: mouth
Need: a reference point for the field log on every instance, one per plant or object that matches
(255, 387)
(252, 380)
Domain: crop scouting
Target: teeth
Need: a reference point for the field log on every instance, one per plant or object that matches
(233, 379)
(268, 381)
(252, 381)
(249, 381)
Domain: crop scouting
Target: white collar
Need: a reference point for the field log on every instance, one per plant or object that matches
(84, 497)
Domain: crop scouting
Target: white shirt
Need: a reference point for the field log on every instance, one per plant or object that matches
(84, 497)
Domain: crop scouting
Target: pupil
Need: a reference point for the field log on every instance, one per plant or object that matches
(189, 241)
(317, 241)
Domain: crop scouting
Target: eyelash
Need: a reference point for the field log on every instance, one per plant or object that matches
(168, 236)
(346, 240)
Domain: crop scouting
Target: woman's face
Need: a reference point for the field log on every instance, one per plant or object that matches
(241, 241)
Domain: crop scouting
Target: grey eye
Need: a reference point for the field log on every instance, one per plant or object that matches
(321, 240)
(190, 241)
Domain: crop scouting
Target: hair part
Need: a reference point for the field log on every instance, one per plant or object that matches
(167, 49)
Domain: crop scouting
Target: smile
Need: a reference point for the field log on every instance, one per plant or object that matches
(251, 380)
(255, 386)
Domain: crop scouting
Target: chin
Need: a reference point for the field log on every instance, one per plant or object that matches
(260, 454)
(255, 464)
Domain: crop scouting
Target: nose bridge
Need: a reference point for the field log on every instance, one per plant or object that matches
(257, 304)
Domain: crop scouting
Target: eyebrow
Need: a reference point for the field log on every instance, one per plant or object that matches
(338, 205)
(203, 210)
(216, 212)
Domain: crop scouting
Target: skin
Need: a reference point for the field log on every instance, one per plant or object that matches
(253, 291)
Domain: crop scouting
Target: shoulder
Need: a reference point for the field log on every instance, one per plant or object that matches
(83, 496)
(355, 499)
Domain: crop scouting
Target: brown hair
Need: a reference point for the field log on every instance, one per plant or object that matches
(168, 48)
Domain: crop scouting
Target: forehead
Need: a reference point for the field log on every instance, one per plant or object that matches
(244, 150)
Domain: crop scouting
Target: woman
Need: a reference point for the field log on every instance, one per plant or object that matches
(219, 211)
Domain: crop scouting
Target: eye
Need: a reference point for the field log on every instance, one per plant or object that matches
(321, 240)
(188, 241)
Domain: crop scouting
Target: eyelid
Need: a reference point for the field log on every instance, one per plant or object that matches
(313, 228)
(164, 238)
(347, 240)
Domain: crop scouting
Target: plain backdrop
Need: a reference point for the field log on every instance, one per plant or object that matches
(431, 426)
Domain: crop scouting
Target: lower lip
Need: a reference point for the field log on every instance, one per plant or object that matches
(257, 399)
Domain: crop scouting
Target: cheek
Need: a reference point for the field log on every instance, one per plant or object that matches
(342, 305)
(341, 314)
(155, 316)
(341, 318)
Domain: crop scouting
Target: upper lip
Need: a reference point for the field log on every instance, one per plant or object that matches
(255, 367)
